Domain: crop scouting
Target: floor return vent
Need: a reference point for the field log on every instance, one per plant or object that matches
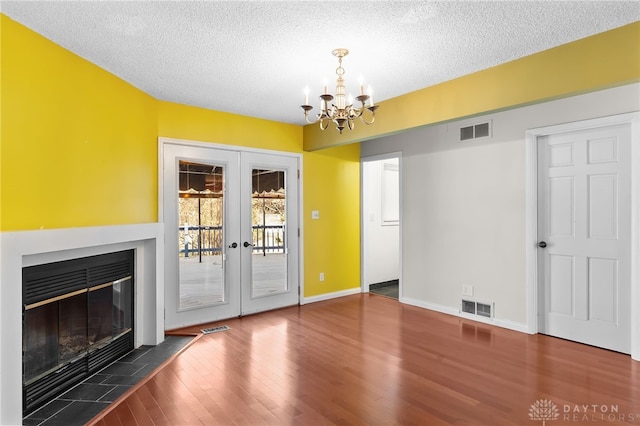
(215, 329)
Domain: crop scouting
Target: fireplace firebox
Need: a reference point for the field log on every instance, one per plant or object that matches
(77, 318)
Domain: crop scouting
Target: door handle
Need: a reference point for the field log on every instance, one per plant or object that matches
(233, 245)
(247, 244)
(542, 244)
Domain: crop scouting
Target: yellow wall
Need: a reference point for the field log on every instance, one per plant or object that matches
(78, 144)
(78, 147)
(198, 124)
(332, 242)
(601, 61)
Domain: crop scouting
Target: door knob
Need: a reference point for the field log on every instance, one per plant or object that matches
(233, 245)
(542, 244)
(247, 244)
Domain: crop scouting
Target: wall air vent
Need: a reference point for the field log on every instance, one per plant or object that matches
(476, 131)
(483, 309)
(477, 308)
(466, 133)
(469, 306)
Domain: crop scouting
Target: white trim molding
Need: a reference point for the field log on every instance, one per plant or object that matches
(510, 325)
(328, 296)
(531, 216)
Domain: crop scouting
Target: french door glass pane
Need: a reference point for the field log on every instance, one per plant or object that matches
(200, 237)
(268, 221)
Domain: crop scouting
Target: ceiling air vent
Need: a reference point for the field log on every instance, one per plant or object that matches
(476, 131)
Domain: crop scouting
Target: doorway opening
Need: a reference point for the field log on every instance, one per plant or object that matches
(381, 225)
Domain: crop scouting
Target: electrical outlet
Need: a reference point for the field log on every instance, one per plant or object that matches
(467, 290)
(321, 276)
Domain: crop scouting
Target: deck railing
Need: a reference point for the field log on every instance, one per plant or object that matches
(207, 240)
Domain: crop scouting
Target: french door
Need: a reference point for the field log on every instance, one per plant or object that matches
(231, 232)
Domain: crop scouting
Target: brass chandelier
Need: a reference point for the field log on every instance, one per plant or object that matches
(342, 112)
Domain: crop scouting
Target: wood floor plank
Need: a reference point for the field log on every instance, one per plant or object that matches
(369, 360)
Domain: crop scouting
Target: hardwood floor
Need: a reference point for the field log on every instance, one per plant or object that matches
(369, 360)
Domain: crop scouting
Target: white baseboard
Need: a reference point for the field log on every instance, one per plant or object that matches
(508, 324)
(327, 296)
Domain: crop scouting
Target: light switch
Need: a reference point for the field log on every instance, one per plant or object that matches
(315, 214)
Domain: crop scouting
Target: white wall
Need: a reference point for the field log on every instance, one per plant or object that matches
(381, 248)
(463, 207)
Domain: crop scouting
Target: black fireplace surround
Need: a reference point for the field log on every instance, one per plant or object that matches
(77, 318)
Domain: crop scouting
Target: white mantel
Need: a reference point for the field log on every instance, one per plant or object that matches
(28, 248)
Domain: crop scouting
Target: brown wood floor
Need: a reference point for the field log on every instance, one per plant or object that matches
(370, 360)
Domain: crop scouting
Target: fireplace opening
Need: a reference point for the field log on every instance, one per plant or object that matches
(77, 318)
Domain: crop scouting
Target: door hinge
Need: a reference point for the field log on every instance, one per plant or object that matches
(298, 173)
(298, 232)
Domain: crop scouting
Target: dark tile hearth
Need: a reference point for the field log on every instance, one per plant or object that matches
(85, 400)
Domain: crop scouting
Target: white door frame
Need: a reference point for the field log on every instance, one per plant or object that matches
(363, 221)
(162, 141)
(531, 216)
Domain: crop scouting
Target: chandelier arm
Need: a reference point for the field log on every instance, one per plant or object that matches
(373, 119)
(306, 109)
(364, 120)
(372, 109)
(306, 117)
(323, 126)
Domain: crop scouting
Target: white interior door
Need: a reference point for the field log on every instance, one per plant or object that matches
(584, 228)
(231, 232)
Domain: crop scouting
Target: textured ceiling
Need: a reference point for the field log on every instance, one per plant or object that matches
(256, 57)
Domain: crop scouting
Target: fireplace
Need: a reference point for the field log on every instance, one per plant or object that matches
(77, 318)
(23, 249)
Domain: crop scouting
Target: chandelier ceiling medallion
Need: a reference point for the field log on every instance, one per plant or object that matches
(342, 111)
